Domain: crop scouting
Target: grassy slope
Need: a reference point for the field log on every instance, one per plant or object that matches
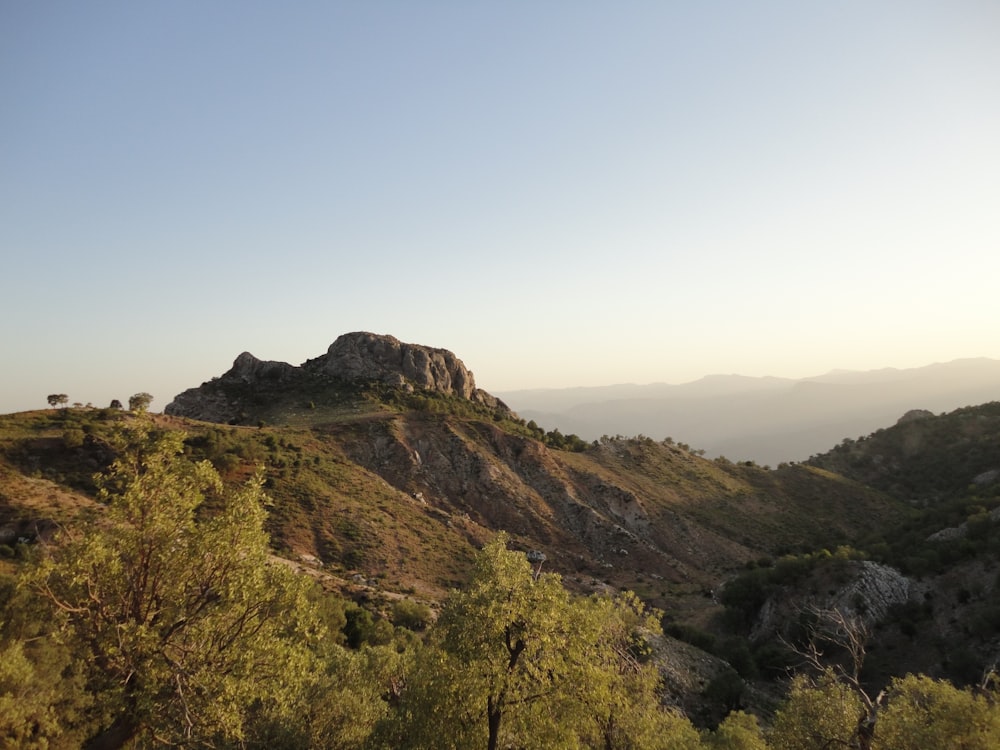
(391, 499)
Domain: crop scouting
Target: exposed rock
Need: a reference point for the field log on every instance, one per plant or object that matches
(357, 356)
(913, 415)
(961, 531)
(869, 594)
(26, 531)
(949, 534)
(368, 356)
(248, 369)
(206, 404)
(987, 477)
(873, 592)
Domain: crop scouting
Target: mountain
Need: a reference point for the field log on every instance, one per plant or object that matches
(387, 464)
(767, 420)
(267, 388)
(387, 468)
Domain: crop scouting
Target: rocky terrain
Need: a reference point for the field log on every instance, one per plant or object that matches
(387, 467)
(611, 513)
(353, 358)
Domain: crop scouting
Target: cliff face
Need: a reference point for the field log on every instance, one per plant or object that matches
(353, 358)
(865, 589)
(368, 356)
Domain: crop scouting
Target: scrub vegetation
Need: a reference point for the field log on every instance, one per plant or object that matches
(197, 585)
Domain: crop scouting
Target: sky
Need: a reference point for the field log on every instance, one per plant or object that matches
(562, 193)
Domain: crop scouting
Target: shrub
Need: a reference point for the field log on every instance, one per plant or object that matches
(411, 615)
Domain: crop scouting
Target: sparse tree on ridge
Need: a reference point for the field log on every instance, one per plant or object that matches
(55, 399)
(140, 402)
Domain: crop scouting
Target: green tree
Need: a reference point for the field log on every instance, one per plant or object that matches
(74, 437)
(515, 661)
(139, 402)
(412, 615)
(925, 713)
(28, 711)
(738, 731)
(182, 623)
(498, 655)
(619, 687)
(350, 697)
(818, 713)
(55, 399)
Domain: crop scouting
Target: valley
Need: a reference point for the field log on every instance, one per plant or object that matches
(387, 471)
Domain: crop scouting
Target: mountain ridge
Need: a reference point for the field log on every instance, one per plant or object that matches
(767, 419)
(382, 486)
(358, 357)
(370, 464)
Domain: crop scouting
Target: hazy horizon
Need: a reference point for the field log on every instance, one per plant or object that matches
(107, 393)
(562, 194)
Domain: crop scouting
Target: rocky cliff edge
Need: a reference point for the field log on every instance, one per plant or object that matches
(353, 357)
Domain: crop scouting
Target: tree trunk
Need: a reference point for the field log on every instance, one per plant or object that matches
(493, 715)
(123, 729)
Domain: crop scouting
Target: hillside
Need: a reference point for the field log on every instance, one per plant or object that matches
(387, 469)
(923, 458)
(393, 480)
(399, 499)
(929, 587)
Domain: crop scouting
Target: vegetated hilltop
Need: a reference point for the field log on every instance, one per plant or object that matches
(924, 459)
(928, 589)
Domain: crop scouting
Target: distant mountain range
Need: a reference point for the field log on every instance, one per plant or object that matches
(763, 419)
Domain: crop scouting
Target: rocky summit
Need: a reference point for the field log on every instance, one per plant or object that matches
(354, 358)
(368, 356)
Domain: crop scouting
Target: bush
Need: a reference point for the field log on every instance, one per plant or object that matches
(726, 690)
(361, 627)
(411, 615)
(73, 438)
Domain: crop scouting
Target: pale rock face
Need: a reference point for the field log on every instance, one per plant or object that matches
(961, 531)
(370, 356)
(248, 368)
(869, 595)
(873, 592)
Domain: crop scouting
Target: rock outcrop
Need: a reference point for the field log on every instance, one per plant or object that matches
(913, 415)
(368, 356)
(248, 368)
(869, 592)
(359, 357)
(961, 531)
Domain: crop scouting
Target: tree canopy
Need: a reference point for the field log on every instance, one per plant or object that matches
(140, 401)
(166, 621)
(181, 620)
(516, 661)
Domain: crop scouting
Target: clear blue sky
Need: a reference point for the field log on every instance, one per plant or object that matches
(562, 193)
